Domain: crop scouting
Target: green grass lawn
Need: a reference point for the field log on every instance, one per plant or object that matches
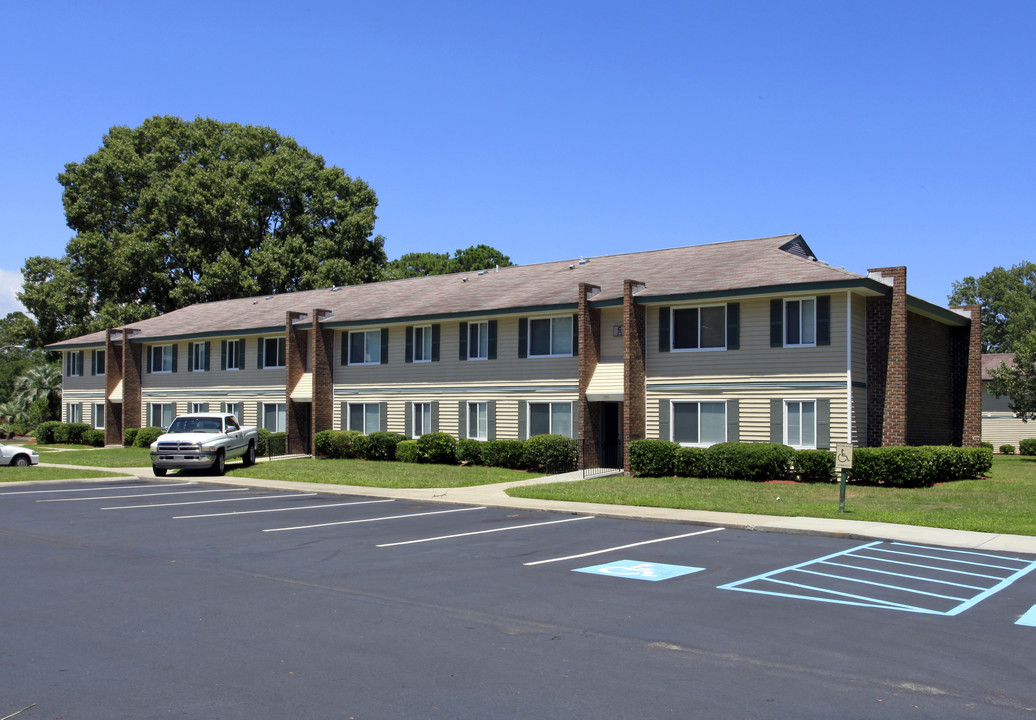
(1005, 502)
(13, 474)
(98, 457)
(377, 474)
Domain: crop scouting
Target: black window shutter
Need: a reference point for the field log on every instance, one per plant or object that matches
(777, 420)
(93, 362)
(463, 350)
(383, 413)
(663, 419)
(523, 338)
(190, 357)
(344, 360)
(149, 351)
(462, 417)
(663, 329)
(435, 416)
(208, 353)
(174, 350)
(491, 334)
(521, 419)
(408, 419)
(733, 326)
(260, 355)
(384, 346)
(409, 351)
(241, 354)
(491, 419)
(777, 323)
(733, 432)
(575, 334)
(824, 424)
(823, 320)
(222, 354)
(436, 337)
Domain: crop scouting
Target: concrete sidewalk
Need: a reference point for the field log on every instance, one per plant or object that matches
(495, 496)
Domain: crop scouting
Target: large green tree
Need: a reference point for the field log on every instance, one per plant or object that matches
(1017, 380)
(1008, 300)
(472, 259)
(176, 212)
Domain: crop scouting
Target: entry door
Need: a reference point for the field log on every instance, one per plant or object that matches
(611, 435)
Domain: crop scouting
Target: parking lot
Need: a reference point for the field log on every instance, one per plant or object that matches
(176, 599)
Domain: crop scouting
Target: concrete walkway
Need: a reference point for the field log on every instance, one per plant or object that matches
(495, 496)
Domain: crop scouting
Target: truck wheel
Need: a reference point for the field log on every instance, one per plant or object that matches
(159, 472)
(219, 466)
(21, 461)
(249, 458)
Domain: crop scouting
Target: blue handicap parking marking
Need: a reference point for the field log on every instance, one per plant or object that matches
(639, 570)
(1029, 618)
(895, 576)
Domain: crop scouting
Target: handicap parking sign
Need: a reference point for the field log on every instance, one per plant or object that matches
(636, 570)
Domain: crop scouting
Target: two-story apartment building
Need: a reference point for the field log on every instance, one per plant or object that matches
(752, 340)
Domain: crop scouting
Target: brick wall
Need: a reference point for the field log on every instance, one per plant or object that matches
(931, 386)
(113, 429)
(132, 367)
(887, 363)
(968, 379)
(322, 353)
(297, 413)
(589, 355)
(634, 389)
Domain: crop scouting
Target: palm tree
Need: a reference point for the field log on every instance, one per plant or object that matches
(39, 381)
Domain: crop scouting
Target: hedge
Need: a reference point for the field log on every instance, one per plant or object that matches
(129, 435)
(408, 452)
(469, 451)
(921, 466)
(503, 453)
(1027, 447)
(814, 466)
(45, 432)
(94, 438)
(438, 447)
(271, 443)
(550, 453)
(146, 436)
(749, 461)
(336, 444)
(377, 445)
(653, 458)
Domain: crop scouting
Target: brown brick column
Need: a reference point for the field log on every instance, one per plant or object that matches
(894, 405)
(589, 355)
(635, 393)
(112, 376)
(322, 351)
(132, 368)
(296, 415)
(970, 381)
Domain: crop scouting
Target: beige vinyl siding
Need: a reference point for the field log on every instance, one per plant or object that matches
(1000, 426)
(81, 383)
(611, 344)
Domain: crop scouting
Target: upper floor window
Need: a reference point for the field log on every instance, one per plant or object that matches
(232, 355)
(699, 328)
(801, 322)
(163, 359)
(422, 343)
(550, 337)
(271, 353)
(365, 347)
(198, 357)
(74, 363)
(97, 362)
(478, 340)
(698, 423)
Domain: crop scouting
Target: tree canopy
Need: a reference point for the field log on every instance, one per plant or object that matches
(474, 258)
(1018, 381)
(1008, 300)
(176, 212)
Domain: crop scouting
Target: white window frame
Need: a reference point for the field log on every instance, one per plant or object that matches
(98, 411)
(367, 334)
(233, 408)
(349, 417)
(481, 429)
(74, 364)
(420, 414)
(801, 445)
(74, 412)
(422, 344)
(199, 407)
(282, 351)
(699, 348)
(552, 430)
(552, 320)
(801, 302)
(200, 357)
(167, 358)
(699, 402)
(235, 349)
(280, 416)
(160, 408)
(479, 331)
(104, 362)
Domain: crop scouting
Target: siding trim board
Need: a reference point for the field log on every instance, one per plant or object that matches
(458, 388)
(749, 384)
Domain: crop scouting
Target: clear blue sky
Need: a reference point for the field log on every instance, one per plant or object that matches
(886, 133)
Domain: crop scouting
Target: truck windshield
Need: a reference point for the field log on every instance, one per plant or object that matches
(194, 425)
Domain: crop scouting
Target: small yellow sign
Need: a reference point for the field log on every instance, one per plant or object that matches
(843, 456)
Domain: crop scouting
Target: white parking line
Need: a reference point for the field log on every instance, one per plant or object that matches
(287, 509)
(207, 502)
(366, 520)
(121, 497)
(483, 532)
(93, 489)
(624, 547)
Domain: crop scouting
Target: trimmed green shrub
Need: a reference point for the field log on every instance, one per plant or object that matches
(469, 451)
(146, 436)
(550, 453)
(93, 437)
(691, 462)
(1027, 446)
(322, 443)
(129, 435)
(921, 466)
(71, 433)
(986, 444)
(45, 432)
(271, 443)
(814, 466)
(343, 444)
(438, 447)
(408, 451)
(653, 458)
(1007, 449)
(749, 461)
(377, 445)
(503, 453)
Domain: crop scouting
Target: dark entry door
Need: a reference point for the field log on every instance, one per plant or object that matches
(611, 435)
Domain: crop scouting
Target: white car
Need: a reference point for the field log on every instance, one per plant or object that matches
(18, 456)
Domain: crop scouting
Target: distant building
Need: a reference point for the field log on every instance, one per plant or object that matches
(752, 340)
(1000, 426)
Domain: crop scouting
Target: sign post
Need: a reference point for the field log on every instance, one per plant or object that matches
(843, 463)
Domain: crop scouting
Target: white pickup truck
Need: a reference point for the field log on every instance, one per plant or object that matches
(203, 441)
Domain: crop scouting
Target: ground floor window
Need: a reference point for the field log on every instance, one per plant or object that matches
(478, 421)
(161, 415)
(74, 412)
(364, 417)
(99, 416)
(699, 423)
(800, 423)
(234, 408)
(275, 416)
(199, 407)
(422, 419)
(554, 418)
